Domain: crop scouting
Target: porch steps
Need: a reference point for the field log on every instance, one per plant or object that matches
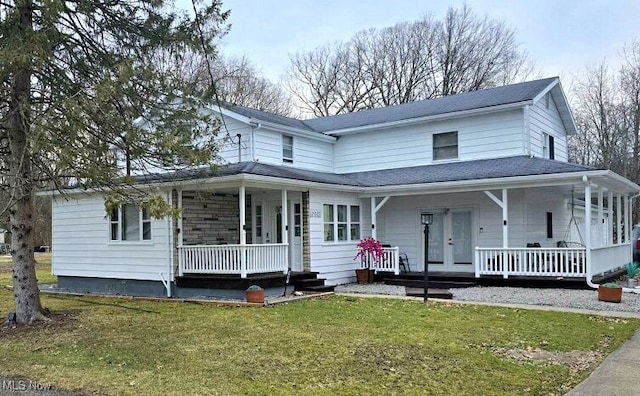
(436, 284)
(431, 293)
(308, 281)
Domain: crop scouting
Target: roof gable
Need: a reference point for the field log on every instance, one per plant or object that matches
(486, 99)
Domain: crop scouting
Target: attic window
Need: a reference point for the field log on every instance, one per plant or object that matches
(287, 148)
(445, 146)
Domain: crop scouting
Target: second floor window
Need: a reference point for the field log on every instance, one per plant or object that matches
(130, 223)
(287, 148)
(445, 146)
(548, 151)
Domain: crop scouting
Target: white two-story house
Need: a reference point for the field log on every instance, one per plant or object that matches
(490, 166)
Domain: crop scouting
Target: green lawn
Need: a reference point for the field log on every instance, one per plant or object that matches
(334, 345)
(43, 267)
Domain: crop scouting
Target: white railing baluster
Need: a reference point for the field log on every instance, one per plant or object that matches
(233, 259)
(557, 262)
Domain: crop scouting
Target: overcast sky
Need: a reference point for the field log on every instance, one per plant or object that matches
(561, 36)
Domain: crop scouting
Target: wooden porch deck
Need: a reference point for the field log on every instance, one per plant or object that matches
(448, 280)
(299, 281)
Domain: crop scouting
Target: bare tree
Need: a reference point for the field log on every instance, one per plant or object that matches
(598, 116)
(406, 62)
(630, 95)
(237, 81)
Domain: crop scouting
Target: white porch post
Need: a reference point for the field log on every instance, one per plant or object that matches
(627, 220)
(374, 231)
(285, 229)
(243, 235)
(600, 215)
(180, 239)
(374, 210)
(505, 215)
(587, 226)
(504, 204)
(180, 221)
(610, 218)
(619, 218)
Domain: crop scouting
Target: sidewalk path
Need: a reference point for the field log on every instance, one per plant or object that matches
(617, 375)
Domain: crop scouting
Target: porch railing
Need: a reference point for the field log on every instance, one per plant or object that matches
(390, 262)
(609, 258)
(233, 259)
(556, 262)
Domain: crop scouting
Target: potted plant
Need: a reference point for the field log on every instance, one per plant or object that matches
(370, 251)
(632, 271)
(255, 294)
(610, 292)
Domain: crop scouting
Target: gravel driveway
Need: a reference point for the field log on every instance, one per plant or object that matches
(561, 298)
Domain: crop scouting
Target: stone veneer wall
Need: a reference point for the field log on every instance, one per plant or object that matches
(212, 219)
(306, 248)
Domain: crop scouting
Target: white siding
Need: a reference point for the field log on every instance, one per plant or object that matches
(307, 153)
(334, 260)
(268, 146)
(484, 136)
(543, 120)
(312, 154)
(82, 247)
(228, 140)
(399, 225)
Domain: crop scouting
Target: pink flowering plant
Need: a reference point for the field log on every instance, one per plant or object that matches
(369, 250)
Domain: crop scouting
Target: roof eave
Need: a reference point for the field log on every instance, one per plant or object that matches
(293, 131)
(436, 117)
(544, 180)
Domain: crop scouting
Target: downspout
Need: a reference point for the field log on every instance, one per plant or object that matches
(167, 282)
(254, 128)
(239, 136)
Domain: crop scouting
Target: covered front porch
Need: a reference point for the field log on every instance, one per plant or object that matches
(237, 231)
(571, 227)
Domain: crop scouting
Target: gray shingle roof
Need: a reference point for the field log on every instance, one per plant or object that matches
(426, 174)
(266, 116)
(485, 98)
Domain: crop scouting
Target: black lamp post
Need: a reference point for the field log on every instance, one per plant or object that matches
(426, 219)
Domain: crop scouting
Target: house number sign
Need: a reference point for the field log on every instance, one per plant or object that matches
(315, 213)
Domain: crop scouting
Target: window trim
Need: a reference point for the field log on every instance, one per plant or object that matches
(285, 159)
(119, 222)
(434, 148)
(335, 223)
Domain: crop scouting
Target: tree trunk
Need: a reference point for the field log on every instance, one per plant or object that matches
(25, 284)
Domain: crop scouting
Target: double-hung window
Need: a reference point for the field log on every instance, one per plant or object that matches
(445, 146)
(287, 149)
(341, 222)
(129, 222)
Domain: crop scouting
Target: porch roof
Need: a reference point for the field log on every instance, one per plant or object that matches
(463, 173)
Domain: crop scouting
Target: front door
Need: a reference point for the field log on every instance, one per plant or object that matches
(450, 241)
(295, 235)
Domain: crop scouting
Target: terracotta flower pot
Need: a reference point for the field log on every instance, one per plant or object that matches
(610, 294)
(255, 296)
(364, 276)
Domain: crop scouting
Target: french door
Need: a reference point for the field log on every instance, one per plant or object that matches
(450, 241)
